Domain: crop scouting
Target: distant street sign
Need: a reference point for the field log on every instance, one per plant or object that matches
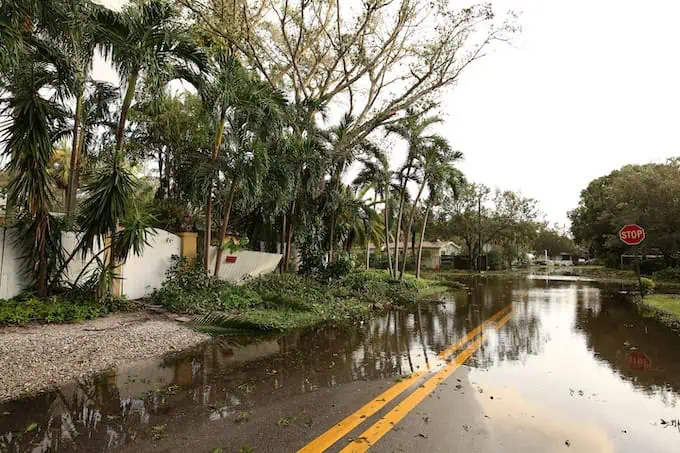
(632, 234)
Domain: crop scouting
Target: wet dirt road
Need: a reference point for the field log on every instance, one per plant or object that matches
(510, 365)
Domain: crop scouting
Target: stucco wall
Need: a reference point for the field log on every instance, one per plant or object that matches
(142, 274)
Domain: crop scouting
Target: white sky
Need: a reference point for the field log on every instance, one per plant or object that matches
(588, 86)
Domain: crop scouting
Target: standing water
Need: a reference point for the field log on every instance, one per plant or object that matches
(576, 366)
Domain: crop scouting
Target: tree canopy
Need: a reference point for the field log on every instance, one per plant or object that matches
(648, 195)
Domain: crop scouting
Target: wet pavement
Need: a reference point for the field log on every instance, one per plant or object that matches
(573, 367)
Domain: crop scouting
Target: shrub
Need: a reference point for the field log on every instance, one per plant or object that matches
(669, 274)
(343, 264)
(647, 285)
(24, 310)
(649, 267)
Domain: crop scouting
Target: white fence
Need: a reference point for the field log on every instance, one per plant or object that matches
(140, 274)
(238, 265)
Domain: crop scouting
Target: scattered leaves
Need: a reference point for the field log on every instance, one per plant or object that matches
(242, 417)
(286, 421)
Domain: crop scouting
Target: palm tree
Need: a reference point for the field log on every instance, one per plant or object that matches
(357, 219)
(149, 41)
(307, 159)
(76, 32)
(246, 164)
(245, 114)
(441, 176)
(344, 153)
(412, 129)
(27, 137)
(96, 113)
(377, 176)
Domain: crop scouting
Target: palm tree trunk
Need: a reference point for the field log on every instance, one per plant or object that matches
(387, 234)
(282, 244)
(420, 244)
(208, 226)
(42, 263)
(73, 195)
(335, 187)
(70, 193)
(223, 230)
(331, 247)
(408, 228)
(289, 237)
(127, 102)
(398, 234)
(209, 203)
(402, 201)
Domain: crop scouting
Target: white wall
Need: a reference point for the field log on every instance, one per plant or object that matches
(247, 263)
(12, 279)
(69, 241)
(142, 274)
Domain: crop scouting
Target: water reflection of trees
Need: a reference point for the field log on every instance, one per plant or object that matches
(613, 327)
(522, 335)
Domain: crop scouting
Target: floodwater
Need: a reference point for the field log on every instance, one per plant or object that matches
(575, 366)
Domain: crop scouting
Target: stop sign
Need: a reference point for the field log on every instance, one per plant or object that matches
(638, 361)
(632, 234)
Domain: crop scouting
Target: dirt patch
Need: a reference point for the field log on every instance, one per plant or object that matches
(38, 358)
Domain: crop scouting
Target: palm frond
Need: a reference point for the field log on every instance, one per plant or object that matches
(228, 323)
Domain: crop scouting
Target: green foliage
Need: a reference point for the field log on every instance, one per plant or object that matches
(310, 242)
(278, 302)
(642, 194)
(669, 303)
(189, 289)
(671, 274)
(56, 309)
(503, 219)
(554, 242)
(344, 264)
(648, 285)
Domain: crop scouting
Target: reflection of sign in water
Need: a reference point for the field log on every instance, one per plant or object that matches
(638, 361)
(231, 259)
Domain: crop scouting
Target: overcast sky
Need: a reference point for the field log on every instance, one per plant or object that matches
(588, 86)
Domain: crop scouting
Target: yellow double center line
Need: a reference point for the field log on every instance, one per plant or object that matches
(375, 432)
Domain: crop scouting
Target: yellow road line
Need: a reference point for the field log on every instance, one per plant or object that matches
(473, 333)
(382, 426)
(340, 430)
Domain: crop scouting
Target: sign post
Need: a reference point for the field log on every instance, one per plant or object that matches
(631, 235)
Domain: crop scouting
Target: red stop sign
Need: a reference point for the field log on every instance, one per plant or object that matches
(632, 234)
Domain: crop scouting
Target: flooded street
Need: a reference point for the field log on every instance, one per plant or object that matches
(574, 367)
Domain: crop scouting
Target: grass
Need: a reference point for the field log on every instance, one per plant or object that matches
(669, 303)
(275, 303)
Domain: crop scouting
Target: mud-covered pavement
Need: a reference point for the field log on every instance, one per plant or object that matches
(510, 365)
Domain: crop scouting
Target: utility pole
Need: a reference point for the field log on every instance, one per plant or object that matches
(479, 234)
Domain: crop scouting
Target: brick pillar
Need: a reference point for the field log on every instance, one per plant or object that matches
(188, 245)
